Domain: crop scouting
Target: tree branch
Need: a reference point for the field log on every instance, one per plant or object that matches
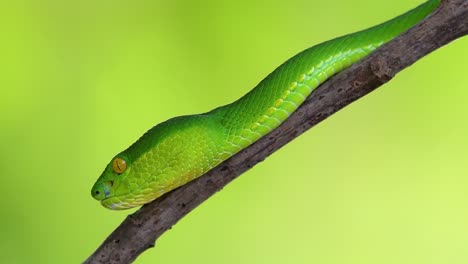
(140, 230)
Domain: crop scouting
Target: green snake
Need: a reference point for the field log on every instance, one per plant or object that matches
(183, 148)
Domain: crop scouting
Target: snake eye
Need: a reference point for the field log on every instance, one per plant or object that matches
(119, 165)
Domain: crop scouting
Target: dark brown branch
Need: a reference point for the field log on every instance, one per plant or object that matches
(140, 230)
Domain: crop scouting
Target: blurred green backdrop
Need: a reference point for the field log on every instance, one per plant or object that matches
(383, 181)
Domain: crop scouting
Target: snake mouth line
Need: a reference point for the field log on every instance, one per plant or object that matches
(120, 203)
(106, 198)
(113, 203)
(102, 200)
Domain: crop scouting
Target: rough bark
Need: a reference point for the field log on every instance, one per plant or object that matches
(140, 230)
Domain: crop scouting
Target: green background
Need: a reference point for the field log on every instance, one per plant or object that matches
(382, 181)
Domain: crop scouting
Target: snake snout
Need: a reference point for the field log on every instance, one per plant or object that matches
(101, 190)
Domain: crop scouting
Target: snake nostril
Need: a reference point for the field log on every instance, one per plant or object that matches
(96, 192)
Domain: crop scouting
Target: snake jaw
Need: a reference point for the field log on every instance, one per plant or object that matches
(114, 203)
(124, 202)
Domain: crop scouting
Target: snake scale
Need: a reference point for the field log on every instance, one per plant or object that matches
(183, 148)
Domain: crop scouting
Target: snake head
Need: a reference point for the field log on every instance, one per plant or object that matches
(110, 189)
(167, 156)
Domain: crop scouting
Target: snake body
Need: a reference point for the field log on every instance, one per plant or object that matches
(183, 148)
